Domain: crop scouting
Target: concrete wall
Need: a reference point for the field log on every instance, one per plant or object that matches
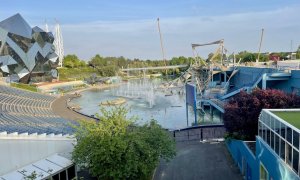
(19, 150)
(248, 75)
(288, 86)
(276, 168)
(240, 152)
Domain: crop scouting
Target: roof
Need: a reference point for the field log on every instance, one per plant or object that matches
(291, 117)
(43, 168)
(17, 25)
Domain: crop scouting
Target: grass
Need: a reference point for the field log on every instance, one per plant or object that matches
(292, 117)
(68, 74)
(24, 86)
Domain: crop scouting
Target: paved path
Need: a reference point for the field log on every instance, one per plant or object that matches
(198, 160)
(59, 107)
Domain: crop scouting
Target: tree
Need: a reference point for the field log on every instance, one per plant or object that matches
(115, 148)
(242, 112)
(71, 61)
(98, 61)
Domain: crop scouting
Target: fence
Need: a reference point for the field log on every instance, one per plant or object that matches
(203, 132)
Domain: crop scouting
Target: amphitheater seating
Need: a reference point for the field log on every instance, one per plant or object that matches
(24, 111)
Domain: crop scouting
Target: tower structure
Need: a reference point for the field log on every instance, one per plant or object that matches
(58, 43)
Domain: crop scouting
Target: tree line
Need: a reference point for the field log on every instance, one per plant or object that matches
(108, 66)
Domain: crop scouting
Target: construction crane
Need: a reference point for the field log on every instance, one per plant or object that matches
(162, 46)
(261, 38)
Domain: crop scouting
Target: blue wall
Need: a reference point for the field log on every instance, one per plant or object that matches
(239, 151)
(289, 85)
(276, 168)
(248, 75)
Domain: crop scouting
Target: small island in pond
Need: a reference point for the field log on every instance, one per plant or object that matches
(113, 102)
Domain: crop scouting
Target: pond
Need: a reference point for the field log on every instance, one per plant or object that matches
(146, 100)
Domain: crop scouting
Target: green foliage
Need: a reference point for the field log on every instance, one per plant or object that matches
(116, 149)
(243, 110)
(28, 87)
(72, 61)
(107, 71)
(66, 74)
(98, 61)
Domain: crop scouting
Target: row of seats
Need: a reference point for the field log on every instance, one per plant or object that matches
(23, 111)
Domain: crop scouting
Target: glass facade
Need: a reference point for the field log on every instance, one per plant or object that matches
(281, 137)
(26, 54)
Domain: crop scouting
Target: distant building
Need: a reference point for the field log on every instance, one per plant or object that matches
(26, 54)
(275, 153)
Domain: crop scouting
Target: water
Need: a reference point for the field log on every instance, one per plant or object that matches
(147, 102)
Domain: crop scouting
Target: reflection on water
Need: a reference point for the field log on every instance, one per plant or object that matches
(169, 111)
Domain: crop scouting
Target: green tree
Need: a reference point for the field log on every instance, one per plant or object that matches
(114, 148)
(98, 61)
(71, 61)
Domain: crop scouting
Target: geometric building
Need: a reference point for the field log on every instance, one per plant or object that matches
(26, 54)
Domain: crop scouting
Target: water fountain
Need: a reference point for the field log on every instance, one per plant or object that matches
(138, 89)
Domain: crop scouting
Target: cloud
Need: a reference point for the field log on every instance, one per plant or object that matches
(140, 38)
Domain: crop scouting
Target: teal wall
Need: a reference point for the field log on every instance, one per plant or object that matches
(289, 85)
(239, 151)
(276, 168)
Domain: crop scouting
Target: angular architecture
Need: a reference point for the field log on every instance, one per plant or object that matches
(26, 54)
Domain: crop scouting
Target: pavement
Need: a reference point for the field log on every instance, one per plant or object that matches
(59, 107)
(199, 160)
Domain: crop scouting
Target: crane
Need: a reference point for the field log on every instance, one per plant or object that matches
(162, 46)
(261, 38)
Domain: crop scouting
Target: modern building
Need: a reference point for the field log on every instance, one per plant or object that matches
(275, 153)
(26, 54)
(36, 156)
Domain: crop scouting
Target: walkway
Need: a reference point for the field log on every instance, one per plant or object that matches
(199, 160)
(59, 107)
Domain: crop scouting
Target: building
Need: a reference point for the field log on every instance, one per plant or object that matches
(35, 155)
(26, 54)
(275, 153)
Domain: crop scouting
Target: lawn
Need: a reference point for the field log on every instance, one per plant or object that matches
(292, 117)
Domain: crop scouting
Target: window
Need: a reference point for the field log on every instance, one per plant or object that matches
(55, 177)
(71, 172)
(269, 137)
(295, 139)
(289, 133)
(295, 160)
(282, 131)
(63, 175)
(277, 144)
(272, 140)
(259, 129)
(282, 149)
(277, 127)
(263, 173)
(288, 154)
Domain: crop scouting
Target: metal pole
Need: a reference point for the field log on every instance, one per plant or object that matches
(162, 46)
(261, 38)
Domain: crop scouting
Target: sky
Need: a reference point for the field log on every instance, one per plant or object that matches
(129, 28)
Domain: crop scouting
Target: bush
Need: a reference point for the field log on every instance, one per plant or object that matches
(242, 112)
(27, 87)
(115, 149)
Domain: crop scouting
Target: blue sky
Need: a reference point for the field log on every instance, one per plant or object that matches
(128, 28)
